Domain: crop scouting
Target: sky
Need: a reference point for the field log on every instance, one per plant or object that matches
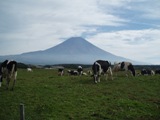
(127, 28)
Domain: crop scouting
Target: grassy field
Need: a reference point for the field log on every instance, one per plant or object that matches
(47, 96)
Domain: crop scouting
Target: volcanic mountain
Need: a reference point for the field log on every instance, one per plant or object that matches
(75, 50)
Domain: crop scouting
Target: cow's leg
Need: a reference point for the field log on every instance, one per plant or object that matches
(105, 76)
(99, 78)
(7, 82)
(111, 75)
(126, 71)
(61, 73)
(14, 81)
(129, 73)
(95, 78)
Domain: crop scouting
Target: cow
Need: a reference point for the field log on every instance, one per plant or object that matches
(99, 67)
(127, 66)
(157, 71)
(147, 72)
(80, 70)
(84, 73)
(73, 72)
(61, 71)
(8, 70)
(29, 70)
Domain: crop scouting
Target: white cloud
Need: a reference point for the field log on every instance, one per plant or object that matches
(134, 44)
(150, 9)
(47, 20)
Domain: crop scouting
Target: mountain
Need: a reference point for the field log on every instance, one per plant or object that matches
(75, 50)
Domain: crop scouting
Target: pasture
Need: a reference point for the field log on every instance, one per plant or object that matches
(47, 96)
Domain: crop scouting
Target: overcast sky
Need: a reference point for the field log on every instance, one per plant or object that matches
(128, 28)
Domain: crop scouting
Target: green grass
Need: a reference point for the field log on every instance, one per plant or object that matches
(47, 96)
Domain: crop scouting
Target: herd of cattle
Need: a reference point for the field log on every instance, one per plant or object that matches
(8, 70)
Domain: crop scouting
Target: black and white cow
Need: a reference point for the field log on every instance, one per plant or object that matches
(127, 66)
(99, 67)
(29, 70)
(80, 70)
(61, 71)
(147, 72)
(73, 72)
(8, 70)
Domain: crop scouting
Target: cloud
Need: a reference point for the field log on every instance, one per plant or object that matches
(47, 20)
(134, 44)
(151, 9)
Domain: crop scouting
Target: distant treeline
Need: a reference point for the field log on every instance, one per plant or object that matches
(74, 66)
(151, 67)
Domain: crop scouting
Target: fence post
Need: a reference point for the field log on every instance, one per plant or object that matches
(22, 114)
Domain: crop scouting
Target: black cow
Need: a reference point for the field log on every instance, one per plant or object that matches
(100, 66)
(8, 70)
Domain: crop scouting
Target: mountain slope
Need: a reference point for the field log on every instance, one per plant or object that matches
(72, 51)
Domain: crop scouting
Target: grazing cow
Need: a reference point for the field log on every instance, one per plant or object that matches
(80, 70)
(29, 69)
(73, 72)
(60, 71)
(85, 74)
(127, 66)
(147, 72)
(8, 70)
(101, 66)
(157, 71)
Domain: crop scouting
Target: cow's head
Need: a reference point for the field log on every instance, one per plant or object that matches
(117, 67)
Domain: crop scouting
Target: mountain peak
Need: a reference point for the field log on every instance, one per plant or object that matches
(73, 50)
(76, 41)
(76, 46)
(76, 38)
